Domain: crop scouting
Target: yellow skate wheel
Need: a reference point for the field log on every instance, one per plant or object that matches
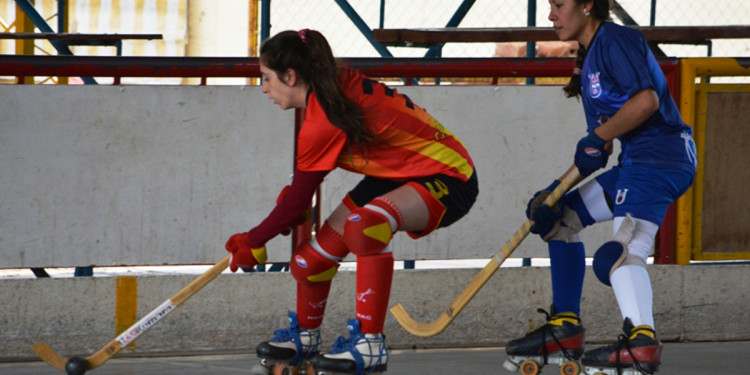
(570, 368)
(529, 367)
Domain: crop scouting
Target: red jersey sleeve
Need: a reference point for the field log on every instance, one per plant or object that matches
(319, 143)
(292, 206)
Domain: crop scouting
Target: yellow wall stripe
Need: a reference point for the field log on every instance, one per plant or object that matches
(126, 306)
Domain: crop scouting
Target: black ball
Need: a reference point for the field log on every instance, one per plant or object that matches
(75, 366)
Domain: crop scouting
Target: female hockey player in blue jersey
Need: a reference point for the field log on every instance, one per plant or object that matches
(625, 96)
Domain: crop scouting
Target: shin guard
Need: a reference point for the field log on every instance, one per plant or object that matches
(314, 266)
(374, 277)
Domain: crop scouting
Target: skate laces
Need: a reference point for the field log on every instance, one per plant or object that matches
(623, 341)
(305, 341)
(557, 319)
(375, 344)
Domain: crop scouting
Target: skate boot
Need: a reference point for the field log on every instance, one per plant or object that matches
(289, 351)
(560, 342)
(636, 352)
(361, 353)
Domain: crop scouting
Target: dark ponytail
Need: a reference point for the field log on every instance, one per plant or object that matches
(573, 88)
(600, 10)
(308, 53)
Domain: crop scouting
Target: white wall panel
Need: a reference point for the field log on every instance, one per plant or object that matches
(135, 175)
(132, 175)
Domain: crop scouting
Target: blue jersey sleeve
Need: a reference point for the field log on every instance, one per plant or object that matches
(627, 63)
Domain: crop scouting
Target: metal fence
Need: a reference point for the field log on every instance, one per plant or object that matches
(330, 18)
(346, 24)
(335, 19)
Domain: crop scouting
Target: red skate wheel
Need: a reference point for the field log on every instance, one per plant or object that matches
(570, 368)
(529, 367)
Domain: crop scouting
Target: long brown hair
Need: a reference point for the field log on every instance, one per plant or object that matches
(308, 53)
(600, 10)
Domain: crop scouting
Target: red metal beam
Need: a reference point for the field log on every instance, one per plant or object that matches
(106, 66)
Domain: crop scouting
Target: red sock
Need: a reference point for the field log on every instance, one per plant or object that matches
(311, 304)
(374, 276)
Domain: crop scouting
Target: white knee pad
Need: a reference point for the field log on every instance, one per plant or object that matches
(643, 234)
(631, 246)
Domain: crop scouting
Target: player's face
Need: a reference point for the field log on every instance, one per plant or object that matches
(568, 18)
(276, 88)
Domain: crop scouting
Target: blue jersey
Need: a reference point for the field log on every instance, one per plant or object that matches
(619, 64)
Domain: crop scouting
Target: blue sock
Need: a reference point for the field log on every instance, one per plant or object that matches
(568, 266)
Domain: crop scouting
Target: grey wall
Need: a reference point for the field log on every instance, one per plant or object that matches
(137, 175)
(235, 312)
(163, 175)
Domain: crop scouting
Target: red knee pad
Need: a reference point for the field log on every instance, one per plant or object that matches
(309, 267)
(369, 229)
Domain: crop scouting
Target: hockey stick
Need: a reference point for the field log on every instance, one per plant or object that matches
(441, 323)
(108, 351)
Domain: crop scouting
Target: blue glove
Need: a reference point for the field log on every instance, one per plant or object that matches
(543, 216)
(539, 198)
(590, 154)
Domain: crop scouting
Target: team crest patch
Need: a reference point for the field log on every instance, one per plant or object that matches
(621, 194)
(592, 151)
(300, 261)
(595, 87)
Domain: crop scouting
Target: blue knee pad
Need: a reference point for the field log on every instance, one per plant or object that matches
(609, 256)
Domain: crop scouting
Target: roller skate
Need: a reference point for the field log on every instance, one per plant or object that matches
(637, 351)
(361, 353)
(289, 351)
(560, 341)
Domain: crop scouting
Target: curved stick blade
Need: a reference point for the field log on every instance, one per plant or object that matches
(441, 323)
(455, 308)
(420, 329)
(113, 347)
(50, 356)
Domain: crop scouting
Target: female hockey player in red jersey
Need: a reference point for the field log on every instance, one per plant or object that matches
(417, 177)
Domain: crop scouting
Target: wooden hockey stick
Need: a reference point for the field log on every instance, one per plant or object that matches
(442, 322)
(108, 351)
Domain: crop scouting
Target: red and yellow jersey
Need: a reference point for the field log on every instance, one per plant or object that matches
(411, 143)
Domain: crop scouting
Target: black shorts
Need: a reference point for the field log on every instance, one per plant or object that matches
(448, 198)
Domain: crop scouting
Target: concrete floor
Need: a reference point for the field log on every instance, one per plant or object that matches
(726, 358)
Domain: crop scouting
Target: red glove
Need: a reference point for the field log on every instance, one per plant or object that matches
(243, 254)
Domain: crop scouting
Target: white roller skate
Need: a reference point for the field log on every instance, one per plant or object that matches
(289, 351)
(361, 353)
(560, 342)
(636, 352)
